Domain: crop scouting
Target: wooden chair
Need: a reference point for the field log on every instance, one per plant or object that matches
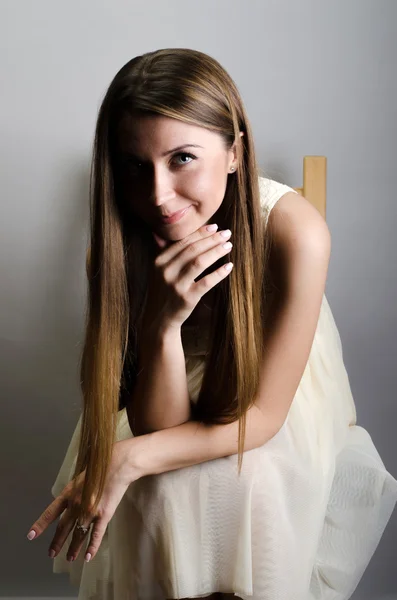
(314, 186)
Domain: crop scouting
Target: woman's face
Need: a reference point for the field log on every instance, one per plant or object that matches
(167, 166)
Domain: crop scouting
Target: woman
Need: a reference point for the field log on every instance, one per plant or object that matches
(217, 453)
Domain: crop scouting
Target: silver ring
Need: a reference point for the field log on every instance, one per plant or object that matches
(84, 530)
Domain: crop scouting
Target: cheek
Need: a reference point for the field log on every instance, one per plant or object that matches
(208, 188)
(132, 193)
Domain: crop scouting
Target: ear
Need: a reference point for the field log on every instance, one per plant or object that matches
(233, 150)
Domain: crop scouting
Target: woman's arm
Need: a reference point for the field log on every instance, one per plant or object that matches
(300, 258)
(192, 443)
(161, 387)
(161, 397)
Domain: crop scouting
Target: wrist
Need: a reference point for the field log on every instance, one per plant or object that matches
(158, 335)
(139, 457)
(161, 329)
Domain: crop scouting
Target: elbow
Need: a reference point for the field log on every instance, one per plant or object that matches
(278, 422)
(144, 429)
(137, 425)
(140, 429)
(278, 425)
(141, 425)
(267, 425)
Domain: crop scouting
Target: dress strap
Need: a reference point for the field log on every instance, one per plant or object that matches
(270, 192)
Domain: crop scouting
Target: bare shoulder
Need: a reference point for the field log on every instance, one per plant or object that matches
(301, 241)
(294, 223)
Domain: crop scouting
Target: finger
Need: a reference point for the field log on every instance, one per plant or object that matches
(78, 539)
(176, 248)
(161, 242)
(202, 261)
(51, 513)
(64, 527)
(209, 281)
(97, 533)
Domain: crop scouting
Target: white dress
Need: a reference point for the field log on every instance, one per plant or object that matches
(301, 523)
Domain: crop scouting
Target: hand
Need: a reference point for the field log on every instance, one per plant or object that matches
(121, 474)
(173, 291)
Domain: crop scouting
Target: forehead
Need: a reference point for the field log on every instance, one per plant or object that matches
(160, 132)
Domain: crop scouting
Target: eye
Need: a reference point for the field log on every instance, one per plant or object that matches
(136, 168)
(184, 154)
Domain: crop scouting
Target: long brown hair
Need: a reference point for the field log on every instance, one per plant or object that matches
(190, 86)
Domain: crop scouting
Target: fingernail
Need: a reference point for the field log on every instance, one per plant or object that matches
(88, 557)
(226, 233)
(51, 553)
(31, 535)
(212, 227)
(70, 558)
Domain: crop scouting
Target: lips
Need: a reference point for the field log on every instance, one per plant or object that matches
(174, 216)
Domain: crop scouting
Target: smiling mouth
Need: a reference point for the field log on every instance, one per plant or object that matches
(174, 217)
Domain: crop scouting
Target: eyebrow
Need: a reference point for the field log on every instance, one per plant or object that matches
(170, 151)
(181, 148)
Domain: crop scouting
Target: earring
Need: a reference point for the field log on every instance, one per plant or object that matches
(232, 168)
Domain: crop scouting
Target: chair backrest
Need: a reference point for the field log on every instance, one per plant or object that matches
(314, 186)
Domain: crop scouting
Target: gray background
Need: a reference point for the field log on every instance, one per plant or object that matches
(316, 77)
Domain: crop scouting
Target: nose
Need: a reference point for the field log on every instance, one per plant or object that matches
(162, 185)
